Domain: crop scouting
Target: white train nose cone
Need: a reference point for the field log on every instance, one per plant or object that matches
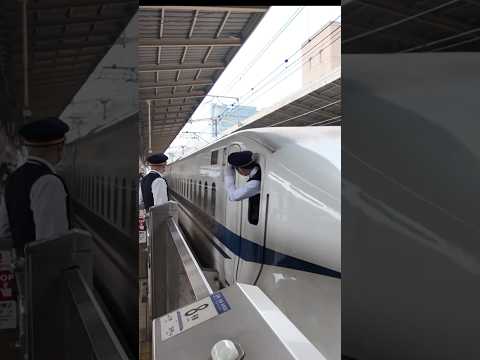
(225, 350)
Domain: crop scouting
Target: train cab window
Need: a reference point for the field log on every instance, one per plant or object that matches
(102, 195)
(123, 202)
(254, 208)
(109, 188)
(199, 199)
(97, 194)
(89, 190)
(214, 158)
(194, 198)
(82, 187)
(115, 199)
(205, 196)
(213, 199)
(224, 157)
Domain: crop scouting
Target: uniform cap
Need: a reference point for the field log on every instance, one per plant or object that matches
(44, 132)
(241, 159)
(156, 159)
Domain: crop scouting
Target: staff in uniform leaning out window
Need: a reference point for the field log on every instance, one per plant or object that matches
(246, 165)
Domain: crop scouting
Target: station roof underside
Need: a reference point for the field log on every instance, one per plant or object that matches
(182, 51)
(392, 26)
(66, 40)
(318, 104)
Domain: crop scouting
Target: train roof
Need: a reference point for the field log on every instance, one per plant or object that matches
(324, 140)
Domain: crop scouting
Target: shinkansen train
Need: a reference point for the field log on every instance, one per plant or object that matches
(290, 245)
(102, 181)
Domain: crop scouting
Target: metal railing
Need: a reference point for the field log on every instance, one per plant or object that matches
(60, 316)
(175, 277)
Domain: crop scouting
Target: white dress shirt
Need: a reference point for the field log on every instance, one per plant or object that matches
(250, 189)
(159, 191)
(48, 205)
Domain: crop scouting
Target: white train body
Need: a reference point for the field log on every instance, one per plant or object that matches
(299, 222)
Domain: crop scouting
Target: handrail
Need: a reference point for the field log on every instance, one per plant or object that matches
(61, 317)
(105, 344)
(198, 281)
(175, 277)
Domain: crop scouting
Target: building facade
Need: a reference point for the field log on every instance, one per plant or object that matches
(321, 53)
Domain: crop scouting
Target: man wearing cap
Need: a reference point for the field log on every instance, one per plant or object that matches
(245, 163)
(35, 203)
(153, 187)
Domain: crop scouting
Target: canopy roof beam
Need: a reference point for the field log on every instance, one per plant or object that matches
(189, 42)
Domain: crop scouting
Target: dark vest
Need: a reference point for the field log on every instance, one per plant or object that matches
(17, 200)
(254, 201)
(146, 186)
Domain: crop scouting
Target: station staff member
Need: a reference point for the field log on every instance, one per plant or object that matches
(35, 202)
(244, 162)
(153, 187)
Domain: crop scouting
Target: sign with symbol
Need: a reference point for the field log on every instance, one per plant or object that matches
(7, 280)
(187, 317)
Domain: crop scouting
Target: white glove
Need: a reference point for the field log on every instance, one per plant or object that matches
(228, 171)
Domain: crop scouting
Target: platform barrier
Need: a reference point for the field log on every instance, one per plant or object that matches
(236, 323)
(60, 317)
(175, 277)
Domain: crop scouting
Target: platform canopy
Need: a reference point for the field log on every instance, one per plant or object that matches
(65, 41)
(182, 51)
(317, 104)
(387, 26)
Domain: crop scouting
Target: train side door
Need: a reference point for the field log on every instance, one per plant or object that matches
(233, 221)
(253, 232)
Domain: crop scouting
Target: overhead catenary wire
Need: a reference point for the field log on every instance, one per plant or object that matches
(464, 33)
(307, 112)
(243, 98)
(296, 67)
(398, 22)
(298, 50)
(327, 121)
(265, 48)
(292, 71)
(288, 59)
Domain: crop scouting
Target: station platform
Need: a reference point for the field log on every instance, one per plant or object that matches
(185, 317)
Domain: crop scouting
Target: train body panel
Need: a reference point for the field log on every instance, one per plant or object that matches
(293, 252)
(102, 182)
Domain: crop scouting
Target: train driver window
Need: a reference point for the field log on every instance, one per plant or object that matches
(254, 207)
(199, 199)
(190, 193)
(212, 203)
(205, 196)
(194, 192)
(225, 155)
(214, 158)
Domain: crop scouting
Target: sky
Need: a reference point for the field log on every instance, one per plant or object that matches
(238, 81)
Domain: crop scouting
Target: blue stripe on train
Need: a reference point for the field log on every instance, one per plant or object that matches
(253, 252)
